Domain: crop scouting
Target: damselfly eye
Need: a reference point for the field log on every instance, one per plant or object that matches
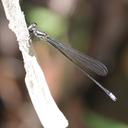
(32, 27)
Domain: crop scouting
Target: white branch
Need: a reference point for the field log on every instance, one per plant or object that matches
(47, 111)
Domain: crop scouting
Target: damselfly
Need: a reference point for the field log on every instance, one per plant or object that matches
(82, 61)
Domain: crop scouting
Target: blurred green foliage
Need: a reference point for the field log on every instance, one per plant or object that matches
(97, 121)
(47, 20)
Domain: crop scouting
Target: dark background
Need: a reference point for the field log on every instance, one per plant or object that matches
(98, 28)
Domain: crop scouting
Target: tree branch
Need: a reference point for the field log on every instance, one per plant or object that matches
(47, 111)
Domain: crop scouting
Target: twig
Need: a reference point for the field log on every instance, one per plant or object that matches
(47, 110)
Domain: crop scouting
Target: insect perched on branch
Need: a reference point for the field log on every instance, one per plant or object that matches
(82, 61)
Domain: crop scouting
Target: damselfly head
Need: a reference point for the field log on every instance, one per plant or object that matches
(33, 30)
(32, 27)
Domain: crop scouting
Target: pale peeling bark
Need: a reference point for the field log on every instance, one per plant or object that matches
(47, 110)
